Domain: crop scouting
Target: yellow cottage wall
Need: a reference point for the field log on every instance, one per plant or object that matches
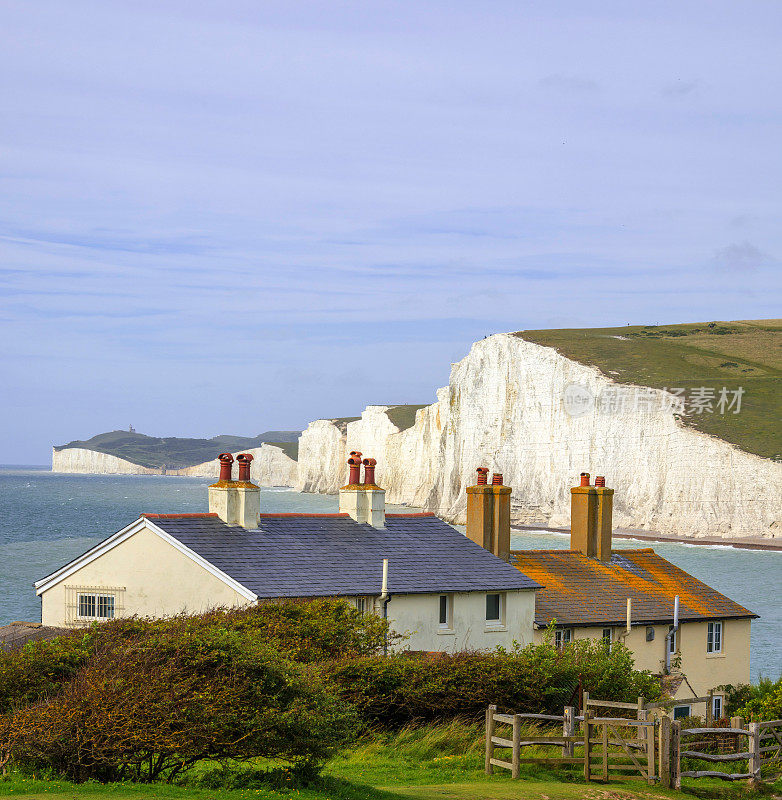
(704, 671)
(158, 581)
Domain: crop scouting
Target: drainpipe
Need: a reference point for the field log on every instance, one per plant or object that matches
(626, 632)
(671, 633)
(384, 598)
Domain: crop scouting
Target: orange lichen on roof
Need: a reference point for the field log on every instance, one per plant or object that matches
(578, 590)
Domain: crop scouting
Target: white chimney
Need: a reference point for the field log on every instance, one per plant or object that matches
(364, 502)
(235, 502)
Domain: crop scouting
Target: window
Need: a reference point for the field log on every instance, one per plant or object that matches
(494, 609)
(650, 633)
(716, 708)
(608, 635)
(672, 640)
(86, 604)
(362, 606)
(96, 606)
(679, 712)
(563, 636)
(714, 637)
(445, 612)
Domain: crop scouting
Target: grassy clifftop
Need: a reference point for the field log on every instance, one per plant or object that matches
(177, 453)
(744, 354)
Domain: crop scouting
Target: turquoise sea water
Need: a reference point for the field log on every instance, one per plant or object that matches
(46, 519)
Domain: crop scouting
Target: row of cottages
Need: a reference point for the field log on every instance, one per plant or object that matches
(442, 590)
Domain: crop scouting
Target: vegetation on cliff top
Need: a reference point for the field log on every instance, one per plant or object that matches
(176, 453)
(746, 354)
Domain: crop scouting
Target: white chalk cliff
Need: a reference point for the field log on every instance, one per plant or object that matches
(503, 408)
(91, 462)
(270, 467)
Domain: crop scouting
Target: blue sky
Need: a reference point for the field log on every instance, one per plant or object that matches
(228, 217)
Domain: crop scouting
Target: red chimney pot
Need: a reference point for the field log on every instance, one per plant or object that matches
(369, 470)
(585, 479)
(226, 464)
(496, 479)
(354, 462)
(482, 473)
(244, 460)
(600, 480)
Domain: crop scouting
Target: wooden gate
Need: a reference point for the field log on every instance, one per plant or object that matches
(618, 746)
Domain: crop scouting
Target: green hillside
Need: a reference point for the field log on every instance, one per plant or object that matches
(176, 453)
(743, 354)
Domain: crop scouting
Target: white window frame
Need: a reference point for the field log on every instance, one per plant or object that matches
(715, 634)
(716, 706)
(673, 644)
(363, 605)
(498, 623)
(562, 637)
(447, 626)
(610, 638)
(96, 601)
(688, 709)
(74, 604)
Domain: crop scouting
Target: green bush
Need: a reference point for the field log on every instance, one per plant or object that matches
(757, 702)
(149, 707)
(538, 678)
(305, 631)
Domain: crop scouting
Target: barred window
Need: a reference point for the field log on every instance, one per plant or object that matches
(96, 606)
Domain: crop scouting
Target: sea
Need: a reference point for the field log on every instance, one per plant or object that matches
(47, 519)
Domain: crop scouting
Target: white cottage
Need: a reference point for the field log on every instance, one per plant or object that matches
(443, 591)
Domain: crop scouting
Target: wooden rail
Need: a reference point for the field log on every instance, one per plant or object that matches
(651, 748)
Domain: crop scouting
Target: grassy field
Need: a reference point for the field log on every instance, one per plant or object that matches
(434, 763)
(745, 354)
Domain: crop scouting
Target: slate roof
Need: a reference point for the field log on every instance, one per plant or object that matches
(15, 635)
(317, 555)
(578, 590)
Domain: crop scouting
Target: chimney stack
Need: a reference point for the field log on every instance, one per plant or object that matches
(235, 502)
(488, 514)
(364, 502)
(591, 512)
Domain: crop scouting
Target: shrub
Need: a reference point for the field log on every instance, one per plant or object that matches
(759, 702)
(148, 708)
(306, 631)
(538, 678)
(40, 668)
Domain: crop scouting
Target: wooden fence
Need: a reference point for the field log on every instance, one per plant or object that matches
(763, 749)
(620, 747)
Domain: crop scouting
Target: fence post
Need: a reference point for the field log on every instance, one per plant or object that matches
(489, 767)
(643, 715)
(587, 754)
(649, 751)
(516, 757)
(585, 705)
(568, 729)
(754, 750)
(710, 708)
(664, 748)
(604, 743)
(676, 754)
(737, 722)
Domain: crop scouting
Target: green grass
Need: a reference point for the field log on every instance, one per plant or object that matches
(435, 762)
(403, 416)
(177, 453)
(745, 354)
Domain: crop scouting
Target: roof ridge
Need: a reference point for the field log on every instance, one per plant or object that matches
(297, 514)
(192, 515)
(414, 514)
